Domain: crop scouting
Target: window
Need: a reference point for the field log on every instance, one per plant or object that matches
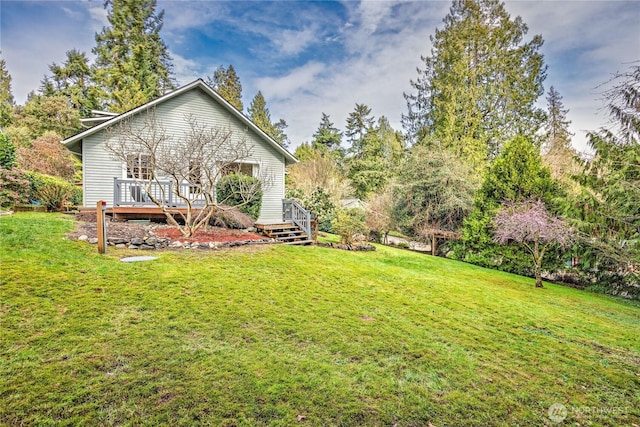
(238, 168)
(139, 167)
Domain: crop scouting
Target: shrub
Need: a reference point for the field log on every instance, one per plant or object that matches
(242, 191)
(48, 156)
(7, 152)
(319, 202)
(231, 217)
(51, 191)
(76, 196)
(14, 187)
(348, 224)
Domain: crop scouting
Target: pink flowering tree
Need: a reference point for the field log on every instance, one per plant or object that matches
(531, 225)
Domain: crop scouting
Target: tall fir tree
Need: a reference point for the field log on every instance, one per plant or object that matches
(327, 134)
(6, 96)
(557, 135)
(479, 86)
(133, 64)
(74, 80)
(359, 122)
(260, 115)
(226, 82)
(377, 159)
(557, 152)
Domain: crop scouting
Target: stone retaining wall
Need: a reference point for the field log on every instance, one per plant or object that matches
(151, 243)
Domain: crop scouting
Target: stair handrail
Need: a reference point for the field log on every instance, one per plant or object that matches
(294, 212)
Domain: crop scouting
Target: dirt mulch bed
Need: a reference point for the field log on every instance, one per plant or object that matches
(212, 234)
(130, 230)
(114, 229)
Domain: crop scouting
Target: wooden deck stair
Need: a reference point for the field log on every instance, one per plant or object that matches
(286, 232)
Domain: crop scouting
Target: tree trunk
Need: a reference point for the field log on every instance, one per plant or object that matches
(538, 277)
(537, 260)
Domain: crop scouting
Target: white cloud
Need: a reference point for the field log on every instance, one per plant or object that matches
(292, 42)
(287, 88)
(376, 72)
(371, 13)
(191, 14)
(185, 70)
(28, 54)
(98, 16)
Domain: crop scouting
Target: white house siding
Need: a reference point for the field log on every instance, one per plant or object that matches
(98, 171)
(100, 168)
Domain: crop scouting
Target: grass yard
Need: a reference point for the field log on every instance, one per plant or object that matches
(280, 335)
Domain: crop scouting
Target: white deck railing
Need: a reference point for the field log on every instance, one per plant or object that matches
(129, 192)
(292, 211)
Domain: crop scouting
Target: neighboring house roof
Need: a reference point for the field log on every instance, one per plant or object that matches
(74, 140)
(353, 203)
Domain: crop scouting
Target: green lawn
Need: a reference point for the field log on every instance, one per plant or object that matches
(262, 335)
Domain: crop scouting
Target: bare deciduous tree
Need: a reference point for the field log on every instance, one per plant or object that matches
(319, 170)
(192, 163)
(379, 215)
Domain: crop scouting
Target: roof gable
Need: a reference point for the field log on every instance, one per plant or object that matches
(197, 84)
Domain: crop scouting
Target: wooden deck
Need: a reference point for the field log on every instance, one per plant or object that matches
(136, 212)
(299, 226)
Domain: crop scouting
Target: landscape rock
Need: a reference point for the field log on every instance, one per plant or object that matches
(365, 247)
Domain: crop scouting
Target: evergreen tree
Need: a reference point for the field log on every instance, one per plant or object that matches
(479, 86)
(376, 160)
(359, 122)
(133, 64)
(392, 143)
(557, 136)
(434, 191)
(327, 134)
(41, 114)
(6, 97)
(7, 152)
(558, 154)
(609, 209)
(73, 79)
(260, 115)
(226, 82)
(517, 175)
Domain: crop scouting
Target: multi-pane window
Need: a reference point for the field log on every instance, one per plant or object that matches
(139, 167)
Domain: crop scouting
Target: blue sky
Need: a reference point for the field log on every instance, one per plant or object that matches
(317, 56)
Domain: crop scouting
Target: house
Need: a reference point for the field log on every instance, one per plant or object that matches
(107, 178)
